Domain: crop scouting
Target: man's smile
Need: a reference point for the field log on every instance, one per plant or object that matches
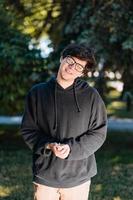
(68, 71)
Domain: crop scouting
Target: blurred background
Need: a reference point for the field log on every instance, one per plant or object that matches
(32, 35)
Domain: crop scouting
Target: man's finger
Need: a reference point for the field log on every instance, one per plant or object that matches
(64, 150)
(59, 148)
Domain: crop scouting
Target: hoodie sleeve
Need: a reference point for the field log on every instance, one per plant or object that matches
(89, 142)
(34, 138)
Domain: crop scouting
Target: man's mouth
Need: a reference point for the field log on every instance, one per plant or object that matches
(67, 70)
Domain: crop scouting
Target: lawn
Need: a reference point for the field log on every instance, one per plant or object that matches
(115, 168)
(117, 107)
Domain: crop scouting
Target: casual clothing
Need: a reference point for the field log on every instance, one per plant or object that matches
(75, 116)
(80, 192)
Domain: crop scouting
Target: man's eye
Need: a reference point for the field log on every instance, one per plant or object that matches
(79, 66)
(71, 61)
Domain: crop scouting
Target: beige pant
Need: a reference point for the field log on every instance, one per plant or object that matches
(80, 192)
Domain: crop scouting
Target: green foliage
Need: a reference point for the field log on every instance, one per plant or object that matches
(104, 25)
(19, 65)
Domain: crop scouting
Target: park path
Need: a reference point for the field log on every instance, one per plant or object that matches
(114, 124)
(123, 125)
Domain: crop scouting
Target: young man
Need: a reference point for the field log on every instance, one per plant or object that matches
(65, 123)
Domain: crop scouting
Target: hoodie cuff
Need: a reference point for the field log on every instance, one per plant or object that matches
(47, 151)
(70, 143)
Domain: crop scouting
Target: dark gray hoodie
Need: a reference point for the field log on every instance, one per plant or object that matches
(75, 116)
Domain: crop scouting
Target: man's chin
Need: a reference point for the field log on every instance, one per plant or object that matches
(67, 77)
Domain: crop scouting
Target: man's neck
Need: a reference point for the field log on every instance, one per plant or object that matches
(64, 83)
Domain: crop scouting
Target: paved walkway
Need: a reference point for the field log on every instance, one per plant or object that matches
(8, 120)
(123, 125)
(114, 124)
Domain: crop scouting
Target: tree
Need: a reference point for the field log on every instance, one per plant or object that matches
(104, 25)
(19, 66)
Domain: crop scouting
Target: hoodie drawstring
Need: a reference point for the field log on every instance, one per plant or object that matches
(55, 107)
(75, 97)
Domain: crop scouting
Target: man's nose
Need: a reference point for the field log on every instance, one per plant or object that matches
(71, 66)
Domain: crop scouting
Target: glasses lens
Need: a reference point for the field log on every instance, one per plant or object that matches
(79, 68)
(70, 61)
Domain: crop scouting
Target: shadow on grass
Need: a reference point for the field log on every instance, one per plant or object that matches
(114, 160)
(15, 166)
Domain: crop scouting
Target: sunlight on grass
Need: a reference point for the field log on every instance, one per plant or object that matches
(114, 94)
(5, 191)
(98, 188)
(118, 109)
(117, 198)
(116, 169)
(117, 105)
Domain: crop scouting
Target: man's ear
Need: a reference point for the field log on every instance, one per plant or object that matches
(61, 58)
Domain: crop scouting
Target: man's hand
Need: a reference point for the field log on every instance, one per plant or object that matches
(60, 150)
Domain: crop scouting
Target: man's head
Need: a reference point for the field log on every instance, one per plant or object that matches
(76, 61)
(82, 52)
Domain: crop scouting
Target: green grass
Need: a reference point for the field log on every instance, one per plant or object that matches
(15, 167)
(116, 107)
(113, 181)
(115, 169)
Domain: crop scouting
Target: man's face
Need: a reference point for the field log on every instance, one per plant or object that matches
(71, 68)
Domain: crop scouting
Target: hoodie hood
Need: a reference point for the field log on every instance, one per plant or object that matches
(77, 86)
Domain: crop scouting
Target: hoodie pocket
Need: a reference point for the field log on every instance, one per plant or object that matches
(70, 170)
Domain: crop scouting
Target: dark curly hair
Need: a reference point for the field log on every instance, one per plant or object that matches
(83, 52)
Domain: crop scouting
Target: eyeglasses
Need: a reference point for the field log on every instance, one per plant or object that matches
(71, 62)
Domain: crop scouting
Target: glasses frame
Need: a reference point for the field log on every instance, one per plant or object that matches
(75, 64)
